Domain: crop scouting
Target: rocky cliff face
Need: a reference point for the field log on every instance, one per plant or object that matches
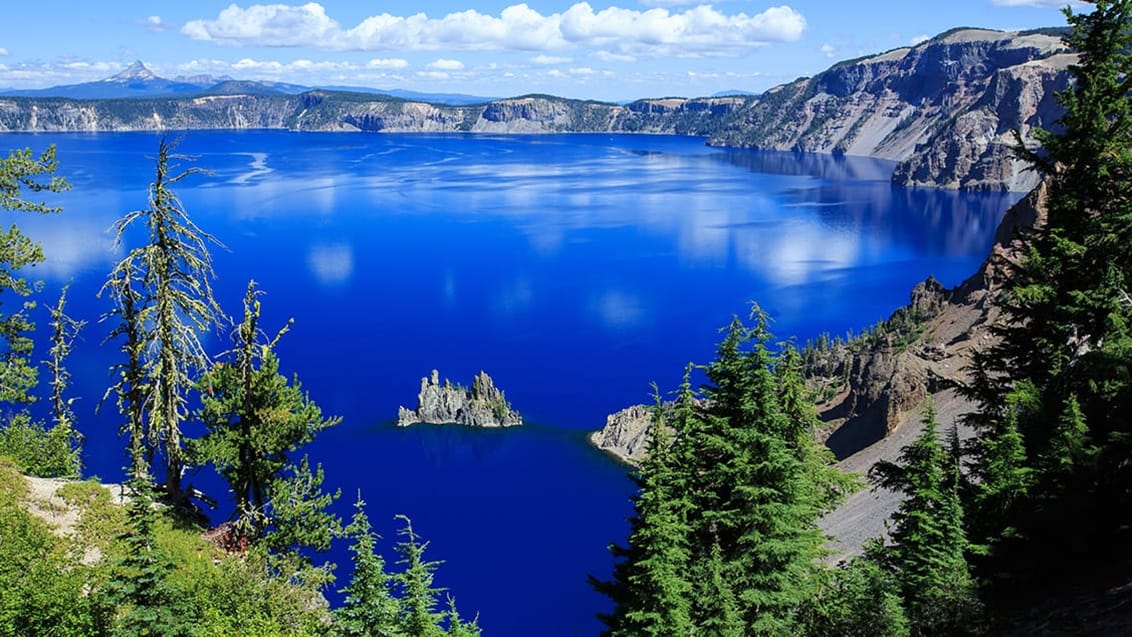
(484, 405)
(945, 109)
(625, 434)
(332, 111)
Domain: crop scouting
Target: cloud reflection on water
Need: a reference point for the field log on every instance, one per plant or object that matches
(331, 263)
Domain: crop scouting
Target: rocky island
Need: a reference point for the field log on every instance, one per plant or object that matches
(483, 405)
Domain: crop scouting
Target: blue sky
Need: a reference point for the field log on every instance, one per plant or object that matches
(603, 50)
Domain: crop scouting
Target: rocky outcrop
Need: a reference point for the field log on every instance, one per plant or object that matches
(945, 109)
(625, 434)
(483, 405)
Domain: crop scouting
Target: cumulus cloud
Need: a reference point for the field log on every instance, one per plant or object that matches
(3, 51)
(828, 50)
(446, 65)
(388, 63)
(919, 39)
(654, 32)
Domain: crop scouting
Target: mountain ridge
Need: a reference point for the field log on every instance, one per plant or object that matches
(944, 110)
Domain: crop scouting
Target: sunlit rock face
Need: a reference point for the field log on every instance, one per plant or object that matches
(946, 110)
(482, 405)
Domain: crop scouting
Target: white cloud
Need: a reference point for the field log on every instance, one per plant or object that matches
(546, 60)
(919, 39)
(156, 24)
(585, 70)
(3, 51)
(390, 63)
(331, 263)
(607, 56)
(446, 65)
(651, 33)
(828, 50)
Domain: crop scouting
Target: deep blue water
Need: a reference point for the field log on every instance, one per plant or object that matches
(574, 269)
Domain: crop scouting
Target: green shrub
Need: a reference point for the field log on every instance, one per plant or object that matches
(47, 453)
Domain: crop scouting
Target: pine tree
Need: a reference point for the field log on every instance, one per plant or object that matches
(254, 418)
(755, 500)
(659, 593)
(419, 616)
(857, 599)
(21, 172)
(130, 388)
(928, 541)
(140, 589)
(369, 608)
(173, 269)
(720, 612)
(1067, 336)
(298, 522)
(64, 443)
(457, 627)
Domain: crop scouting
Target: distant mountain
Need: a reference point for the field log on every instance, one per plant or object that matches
(135, 81)
(138, 81)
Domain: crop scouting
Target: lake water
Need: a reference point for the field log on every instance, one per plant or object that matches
(574, 269)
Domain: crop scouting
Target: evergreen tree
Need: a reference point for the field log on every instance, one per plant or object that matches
(147, 605)
(130, 388)
(720, 612)
(297, 522)
(369, 608)
(64, 442)
(857, 599)
(755, 499)
(173, 269)
(658, 596)
(419, 616)
(928, 541)
(253, 417)
(1066, 340)
(457, 627)
(21, 172)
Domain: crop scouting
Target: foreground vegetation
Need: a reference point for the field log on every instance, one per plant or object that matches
(1035, 506)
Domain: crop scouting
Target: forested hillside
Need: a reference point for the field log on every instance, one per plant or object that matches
(1028, 515)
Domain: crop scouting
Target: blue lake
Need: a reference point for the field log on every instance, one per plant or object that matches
(575, 269)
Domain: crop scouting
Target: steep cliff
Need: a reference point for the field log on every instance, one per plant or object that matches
(625, 434)
(483, 405)
(945, 109)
